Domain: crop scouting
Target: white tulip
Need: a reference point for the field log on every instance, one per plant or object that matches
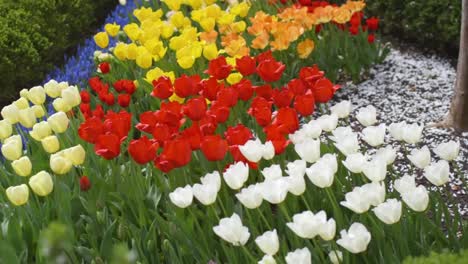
(437, 173)
(341, 109)
(27, 117)
(328, 122)
(5, 129)
(52, 89)
(308, 150)
(274, 191)
(40, 131)
(417, 199)
(182, 197)
(336, 256)
(308, 225)
(268, 242)
(268, 150)
(71, 96)
(375, 170)
(267, 259)
(312, 129)
(397, 130)
(374, 135)
(295, 185)
(212, 179)
(250, 196)
(10, 113)
(412, 133)
(367, 116)
(387, 154)
(272, 172)
(330, 161)
(37, 95)
(320, 174)
(236, 175)
(296, 168)
(58, 122)
(355, 162)
(341, 132)
(448, 151)
(12, 148)
(298, 136)
(299, 256)
(356, 201)
(356, 239)
(389, 212)
(421, 158)
(374, 193)
(231, 230)
(252, 150)
(405, 184)
(205, 193)
(348, 144)
(41, 183)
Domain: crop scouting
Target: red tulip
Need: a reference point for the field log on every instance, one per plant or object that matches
(104, 67)
(161, 133)
(237, 135)
(245, 89)
(286, 118)
(193, 135)
(228, 97)
(98, 112)
(246, 65)
(210, 88)
(85, 97)
(147, 122)
(270, 70)
(109, 99)
(371, 38)
(107, 146)
(208, 125)
(297, 86)
(143, 150)
(260, 109)
(130, 87)
(354, 30)
(267, 55)
(219, 111)
(90, 129)
(195, 108)
(85, 183)
(275, 135)
(219, 68)
(214, 147)
(162, 88)
(177, 152)
(310, 75)
(95, 83)
(372, 23)
(85, 109)
(323, 90)
(282, 98)
(124, 100)
(185, 86)
(304, 104)
(264, 91)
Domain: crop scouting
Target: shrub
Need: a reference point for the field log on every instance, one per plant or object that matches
(35, 34)
(429, 23)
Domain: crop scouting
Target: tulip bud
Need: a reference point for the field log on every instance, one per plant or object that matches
(367, 116)
(40, 130)
(397, 129)
(101, 39)
(295, 185)
(308, 225)
(58, 122)
(50, 144)
(71, 96)
(18, 195)
(274, 191)
(12, 147)
(389, 212)
(328, 122)
(341, 109)
(205, 193)
(250, 196)
(231, 230)
(412, 133)
(41, 183)
(336, 256)
(236, 175)
(24, 93)
(27, 117)
(348, 144)
(374, 135)
(5, 129)
(75, 154)
(272, 172)
(355, 239)
(37, 95)
(21, 103)
(22, 166)
(387, 154)
(182, 197)
(421, 158)
(212, 179)
(59, 164)
(320, 174)
(268, 150)
(301, 256)
(60, 105)
(296, 168)
(312, 129)
(417, 199)
(448, 151)
(252, 150)
(355, 163)
(437, 173)
(308, 150)
(375, 170)
(405, 184)
(268, 242)
(38, 111)
(10, 113)
(52, 89)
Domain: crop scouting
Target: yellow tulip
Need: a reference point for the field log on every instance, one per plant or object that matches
(75, 154)
(179, 20)
(175, 98)
(18, 195)
(41, 183)
(213, 11)
(120, 51)
(167, 30)
(241, 9)
(234, 78)
(208, 24)
(60, 105)
(59, 164)
(27, 117)
(142, 13)
(21, 103)
(22, 166)
(226, 19)
(144, 59)
(12, 148)
(133, 31)
(112, 29)
(173, 4)
(186, 62)
(101, 39)
(58, 122)
(5, 129)
(132, 51)
(52, 89)
(195, 4)
(50, 144)
(24, 93)
(37, 95)
(304, 48)
(10, 113)
(71, 96)
(239, 26)
(40, 130)
(210, 51)
(38, 110)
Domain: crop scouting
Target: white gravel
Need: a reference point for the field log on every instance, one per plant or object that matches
(415, 88)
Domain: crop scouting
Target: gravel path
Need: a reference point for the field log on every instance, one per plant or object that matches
(415, 88)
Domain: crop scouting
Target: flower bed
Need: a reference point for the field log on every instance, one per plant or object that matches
(206, 135)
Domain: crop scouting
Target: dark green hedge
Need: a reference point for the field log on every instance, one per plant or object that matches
(35, 35)
(433, 24)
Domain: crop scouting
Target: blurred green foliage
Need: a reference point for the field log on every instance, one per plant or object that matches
(433, 24)
(442, 258)
(35, 35)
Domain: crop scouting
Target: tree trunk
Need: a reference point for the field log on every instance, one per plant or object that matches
(458, 116)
